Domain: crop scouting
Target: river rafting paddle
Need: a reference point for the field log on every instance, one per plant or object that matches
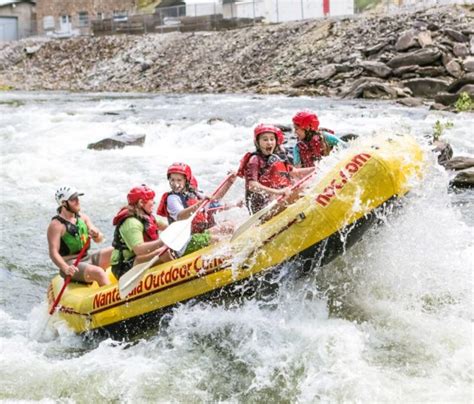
(255, 218)
(175, 237)
(129, 279)
(68, 278)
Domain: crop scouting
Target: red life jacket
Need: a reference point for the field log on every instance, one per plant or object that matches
(149, 222)
(274, 172)
(201, 221)
(311, 151)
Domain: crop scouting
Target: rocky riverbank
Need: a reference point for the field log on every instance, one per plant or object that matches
(423, 56)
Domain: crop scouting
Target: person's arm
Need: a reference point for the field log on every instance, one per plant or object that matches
(176, 209)
(54, 234)
(225, 206)
(94, 232)
(251, 178)
(296, 157)
(333, 140)
(187, 212)
(132, 234)
(298, 173)
(221, 193)
(255, 186)
(139, 259)
(160, 222)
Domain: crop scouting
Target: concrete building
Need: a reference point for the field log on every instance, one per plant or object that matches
(287, 10)
(73, 17)
(269, 10)
(17, 19)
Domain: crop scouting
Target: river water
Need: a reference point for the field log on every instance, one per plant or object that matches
(388, 321)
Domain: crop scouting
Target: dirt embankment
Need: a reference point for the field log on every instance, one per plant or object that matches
(427, 55)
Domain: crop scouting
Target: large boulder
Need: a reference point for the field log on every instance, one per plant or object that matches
(463, 179)
(403, 70)
(456, 85)
(468, 88)
(456, 35)
(410, 102)
(319, 76)
(118, 141)
(376, 48)
(377, 68)
(454, 68)
(420, 57)
(407, 40)
(445, 98)
(449, 98)
(430, 71)
(425, 39)
(370, 88)
(460, 50)
(444, 151)
(468, 64)
(459, 163)
(426, 87)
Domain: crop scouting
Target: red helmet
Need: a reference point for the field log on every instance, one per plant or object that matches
(137, 193)
(306, 120)
(180, 168)
(193, 183)
(263, 128)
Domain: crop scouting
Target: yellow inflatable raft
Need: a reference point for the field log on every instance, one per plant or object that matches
(338, 205)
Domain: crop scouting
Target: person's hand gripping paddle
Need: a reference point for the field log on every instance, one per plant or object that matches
(175, 237)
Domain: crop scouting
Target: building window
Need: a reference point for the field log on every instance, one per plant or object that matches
(100, 16)
(48, 22)
(65, 19)
(83, 19)
(120, 15)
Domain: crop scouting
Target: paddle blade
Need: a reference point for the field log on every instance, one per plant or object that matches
(177, 234)
(130, 279)
(253, 220)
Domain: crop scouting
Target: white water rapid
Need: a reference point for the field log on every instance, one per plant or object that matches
(388, 321)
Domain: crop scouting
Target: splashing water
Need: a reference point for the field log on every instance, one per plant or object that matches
(387, 321)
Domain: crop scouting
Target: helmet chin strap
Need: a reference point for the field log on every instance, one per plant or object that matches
(66, 206)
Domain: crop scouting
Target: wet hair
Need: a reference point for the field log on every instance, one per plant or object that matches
(309, 134)
(136, 211)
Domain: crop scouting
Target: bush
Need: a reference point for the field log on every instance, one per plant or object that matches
(361, 5)
(439, 128)
(464, 103)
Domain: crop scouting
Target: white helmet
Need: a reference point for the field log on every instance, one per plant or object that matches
(66, 193)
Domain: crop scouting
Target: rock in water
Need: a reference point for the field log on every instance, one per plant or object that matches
(118, 141)
(463, 179)
(459, 163)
